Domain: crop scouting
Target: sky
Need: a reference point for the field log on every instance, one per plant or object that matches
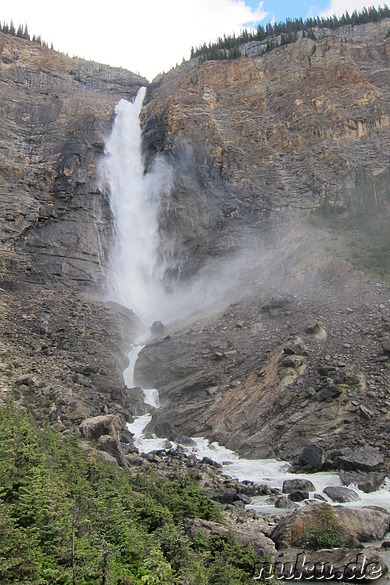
(152, 36)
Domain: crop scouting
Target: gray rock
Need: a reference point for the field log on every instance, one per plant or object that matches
(341, 494)
(328, 393)
(367, 482)
(93, 428)
(292, 485)
(285, 502)
(367, 523)
(298, 495)
(364, 459)
(386, 345)
(107, 457)
(261, 544)
(225, 496)
(314, 456)
(157, 328)
(350, 525)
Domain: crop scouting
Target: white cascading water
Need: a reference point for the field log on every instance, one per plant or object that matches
(137, 280)
(137, 270)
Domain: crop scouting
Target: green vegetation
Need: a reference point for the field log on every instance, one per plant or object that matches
(68, 517)
(330, 535)
(358, 218)
(288, 32)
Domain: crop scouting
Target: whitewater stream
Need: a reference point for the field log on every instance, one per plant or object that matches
(271, 472)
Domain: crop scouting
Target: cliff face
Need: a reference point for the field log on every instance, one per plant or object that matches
(55, 114)
(55, 228)
(265, 135)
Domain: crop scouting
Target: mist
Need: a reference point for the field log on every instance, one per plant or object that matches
(139, 259)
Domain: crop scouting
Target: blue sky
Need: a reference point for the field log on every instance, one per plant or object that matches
(286, 9)
(151, 36)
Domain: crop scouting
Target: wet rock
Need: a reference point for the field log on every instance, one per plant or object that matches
(367, 482)
(364, 459)
(313, 456)
(293, 485)
(285, 502)
(341, 494)
(257, 451)
(298, 495)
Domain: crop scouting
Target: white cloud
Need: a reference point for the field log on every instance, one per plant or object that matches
(145, 36)
(339, 7)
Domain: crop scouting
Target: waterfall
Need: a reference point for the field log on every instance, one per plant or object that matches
(137, 262)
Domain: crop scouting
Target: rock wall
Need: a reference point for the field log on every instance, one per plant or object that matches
(55, 231)
(257, 141)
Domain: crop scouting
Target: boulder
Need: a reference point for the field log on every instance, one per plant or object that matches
(107, 457)
(298, 496)
(364, 459)
(365, 524)
(313, 456)
(110, 445)
(318, 525)
(293, 485)
(225, 496)
(386, 345)
(313, 526)
(341, 494)
(94, 427)
(157, 328)
(261, 544)
(285, 502)
(329, 393)
(367, 482)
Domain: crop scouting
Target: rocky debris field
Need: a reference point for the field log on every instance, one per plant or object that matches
(63, 354)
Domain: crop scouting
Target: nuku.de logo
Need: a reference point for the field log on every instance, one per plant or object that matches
(358, 570)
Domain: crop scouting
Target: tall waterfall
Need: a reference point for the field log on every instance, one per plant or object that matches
(139, 259)
(137, 265)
